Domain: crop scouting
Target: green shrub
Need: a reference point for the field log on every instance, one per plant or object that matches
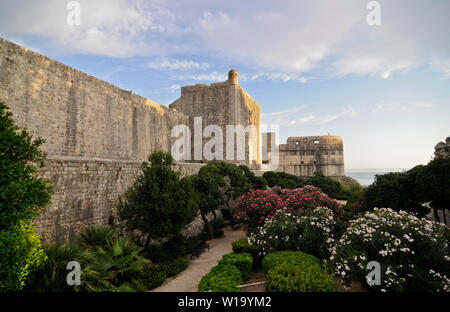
(398, 191)
(23, 194)
(51, 275)
(310, 233)
(21, 252)
(96, 236)
(243, 261)
(153, 277)
(287, 277)
(243, 246)
(222, 278)
(218, 225)
(290, 257)
(159, 204)
(413, 253)
(175, 247)
(173, 267)
(116, 267)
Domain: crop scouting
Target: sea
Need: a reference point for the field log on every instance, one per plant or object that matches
(367, 176)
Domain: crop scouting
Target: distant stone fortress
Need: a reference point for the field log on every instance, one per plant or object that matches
(97, 135)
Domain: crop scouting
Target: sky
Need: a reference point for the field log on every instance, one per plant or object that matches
(315, 67)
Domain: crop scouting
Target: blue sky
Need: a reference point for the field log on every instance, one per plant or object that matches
(315, 67)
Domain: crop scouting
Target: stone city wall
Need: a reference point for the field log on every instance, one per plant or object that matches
(97, 136)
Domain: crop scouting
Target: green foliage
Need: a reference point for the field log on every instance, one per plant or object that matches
(395, 190)
(331, 187)
(309, 233)
(283, 180)
(352, 190)
(114, 268)
(258, 183)
(243, 261)
(286, 277)
(51, 274)
(408, 190)
(159, 204)
(433, 183)
(290, 257)
(21, 252)
(153, 276)
(221, 278)
(234, 177)
(108, 263)
(173, 267)
(22, 196)
(96, 236)
(413, 253)
(243, 246)
(176, 246)
(208, 183)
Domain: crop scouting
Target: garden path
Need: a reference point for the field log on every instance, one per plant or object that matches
(187, 281)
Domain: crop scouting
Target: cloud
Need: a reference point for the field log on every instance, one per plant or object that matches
(302, 120)
(108, 27)
(174, 88)
(286, 118)
(212, 76)
(442, 66)
(332, 38)
(382, 107)
(285, 77)
(177, 64)
(285, 42)
(346, 112)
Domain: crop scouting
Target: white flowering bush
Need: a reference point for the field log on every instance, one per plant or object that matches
(413, 253)
(310, 233)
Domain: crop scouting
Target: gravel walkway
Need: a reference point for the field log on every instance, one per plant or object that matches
(187, 281)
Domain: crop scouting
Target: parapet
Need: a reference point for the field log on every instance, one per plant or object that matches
(314, 142)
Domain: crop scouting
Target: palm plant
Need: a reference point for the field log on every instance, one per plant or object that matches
(115, 267)
(95, 236)
(51, 275)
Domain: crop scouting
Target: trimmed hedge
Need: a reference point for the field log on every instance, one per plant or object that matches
(299, 278)
(273, 259)
(243, 246)
(222, 278)
(243, 261)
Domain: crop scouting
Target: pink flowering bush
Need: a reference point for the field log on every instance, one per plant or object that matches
(253, 208)
(309, 198)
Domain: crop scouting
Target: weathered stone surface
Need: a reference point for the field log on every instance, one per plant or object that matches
(223, 104)
(442, 149)
(196, 227)
(302, 156)
(97, 135)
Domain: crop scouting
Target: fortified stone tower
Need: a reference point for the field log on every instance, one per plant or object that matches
(302, 156)
(224, 104)
(233, 77)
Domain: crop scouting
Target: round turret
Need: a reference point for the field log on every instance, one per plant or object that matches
(233, 76)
